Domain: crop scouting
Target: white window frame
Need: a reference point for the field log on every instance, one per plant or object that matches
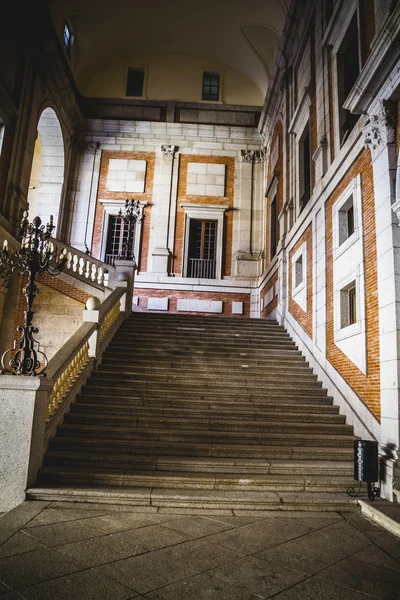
(112, 208)
(299, 292)
(353, 189)
(204, 212)
(342, 333)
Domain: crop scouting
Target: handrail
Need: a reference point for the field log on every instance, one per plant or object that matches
(83, 265)
(73, 363)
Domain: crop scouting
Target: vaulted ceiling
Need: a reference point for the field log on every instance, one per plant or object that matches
(243, 34)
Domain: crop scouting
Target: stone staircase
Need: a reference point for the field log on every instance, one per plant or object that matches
(202, 412)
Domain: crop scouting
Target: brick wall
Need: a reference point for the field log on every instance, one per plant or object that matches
(305, 319)
(104, 194)
(174, 295)
(366, 386)
(229, 162)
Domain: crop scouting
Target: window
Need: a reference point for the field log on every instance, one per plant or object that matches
(348, 69)
(67, 38)
(274, 227)
(348, 305)
(202, 249)
(211, 85)
(298, 271)
(116, 236)
(346, 220)
(305, 166)
(135, 82)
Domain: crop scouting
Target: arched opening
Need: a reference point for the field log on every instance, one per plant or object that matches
(47, 174)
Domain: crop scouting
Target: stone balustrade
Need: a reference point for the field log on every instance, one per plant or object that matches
(84, 266)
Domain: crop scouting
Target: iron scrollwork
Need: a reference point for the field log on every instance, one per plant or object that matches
(34, 257)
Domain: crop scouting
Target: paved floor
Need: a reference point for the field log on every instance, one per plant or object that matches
(97, 552)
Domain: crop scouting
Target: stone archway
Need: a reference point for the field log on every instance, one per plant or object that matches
(47, 175)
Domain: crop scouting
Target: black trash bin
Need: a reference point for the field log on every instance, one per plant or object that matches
(366, 464)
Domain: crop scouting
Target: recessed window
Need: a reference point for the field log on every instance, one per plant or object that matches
(135, 82)
(202, 249)
(211, 85)
(305, 166)
(67, 38)
(346, 220)
(117, 235)
(348, 70)
(348, 305)
(298, 271)
(274, 226)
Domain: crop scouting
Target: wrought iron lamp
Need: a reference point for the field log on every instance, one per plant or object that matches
(131, 215)
(34, 257)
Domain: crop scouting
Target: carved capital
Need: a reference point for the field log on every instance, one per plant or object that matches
(259, 156)
(246, 156)
(169, 151)
(380, 129)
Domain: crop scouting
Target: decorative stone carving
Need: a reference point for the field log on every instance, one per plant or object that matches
(259, 156)
(169, 151)
(86, 147)
(252, 156)
(246, 156)
(381, 129)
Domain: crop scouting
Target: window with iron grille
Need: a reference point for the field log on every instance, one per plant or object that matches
(135, 82)
(116, 236)
(211, 84)
(202, 249)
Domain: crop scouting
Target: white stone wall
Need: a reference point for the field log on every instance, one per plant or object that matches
(168, 141)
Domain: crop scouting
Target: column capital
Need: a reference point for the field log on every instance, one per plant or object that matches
(86, 147)
(169, 151)
(380, 129)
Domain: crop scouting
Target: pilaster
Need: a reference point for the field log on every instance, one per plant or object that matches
(379, 137)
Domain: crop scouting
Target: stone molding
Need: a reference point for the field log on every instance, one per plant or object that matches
(169, 151)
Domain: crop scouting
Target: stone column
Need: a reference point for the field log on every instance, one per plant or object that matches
(162, 203)
(248, 258)
(23, 406)
(380, 138)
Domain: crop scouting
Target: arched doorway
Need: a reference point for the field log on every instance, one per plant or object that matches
(47, 175)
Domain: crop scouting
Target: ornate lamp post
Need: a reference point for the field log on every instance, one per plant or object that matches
(34, 258)
(131, 215)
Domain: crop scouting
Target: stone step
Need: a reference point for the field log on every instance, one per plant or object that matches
(294, 364)
(283, 437)
(233, 397)
(146, 410)
(217, 481)
(156, 462)
(208, 424)
(69, 441)
(190, 384)
(171, 500)
(131, 401)
(231, 376)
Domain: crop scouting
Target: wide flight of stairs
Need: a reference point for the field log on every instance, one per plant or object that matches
(202, 412)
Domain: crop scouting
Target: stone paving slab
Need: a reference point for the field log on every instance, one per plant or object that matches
(77, 551)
